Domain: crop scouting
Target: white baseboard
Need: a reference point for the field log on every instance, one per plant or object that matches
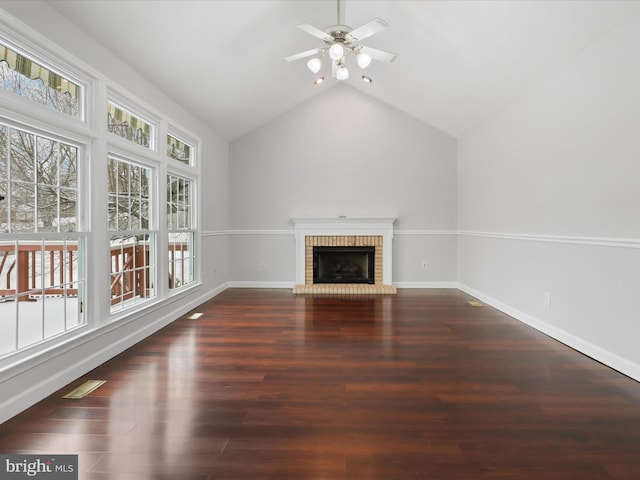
(48, 383)
(603, 356)
(237, 284)
(425, 284)
(83, 359)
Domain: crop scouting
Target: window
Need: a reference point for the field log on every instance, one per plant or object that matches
(181, 234)
(41, 246)
(179, 150)
(132, 243)
(39, 183)
(45, 229)
(30, 79)
(129, 126)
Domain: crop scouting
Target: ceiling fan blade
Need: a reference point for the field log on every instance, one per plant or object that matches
(374, 26)
(379, 55)
(298, 56)
(316, 32)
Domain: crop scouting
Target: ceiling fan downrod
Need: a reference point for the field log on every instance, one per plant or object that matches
(341, 41)
(340, 16)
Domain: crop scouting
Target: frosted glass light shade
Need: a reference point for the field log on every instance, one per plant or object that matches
(336, 51)
(342, 73)
(363, 60)
(314, 65)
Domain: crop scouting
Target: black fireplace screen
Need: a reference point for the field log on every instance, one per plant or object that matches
(343, 265)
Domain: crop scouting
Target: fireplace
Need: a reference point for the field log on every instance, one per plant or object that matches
(344, 265)
(358, 255)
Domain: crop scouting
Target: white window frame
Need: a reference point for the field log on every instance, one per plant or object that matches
(184, 139)
(192, 173)
(143, 114)
(89, 133)
(192, 229)
(40, 50)
(151, 231)
(45, 238)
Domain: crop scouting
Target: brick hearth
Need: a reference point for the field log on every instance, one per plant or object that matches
(375, 241)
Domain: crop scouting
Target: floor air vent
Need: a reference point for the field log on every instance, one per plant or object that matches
(85, 389)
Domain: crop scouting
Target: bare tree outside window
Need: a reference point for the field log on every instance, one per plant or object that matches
(39, 183)
(181, 233)
(129, 126)
(179, 150)
(132, 256)
(29, 79)
(128, 187)
(40, 248)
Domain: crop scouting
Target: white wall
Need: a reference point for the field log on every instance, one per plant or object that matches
(548, 195)
(343, 153)
(545, 196)
(26, 379)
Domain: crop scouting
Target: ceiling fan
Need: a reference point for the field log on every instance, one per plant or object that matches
(341, 42)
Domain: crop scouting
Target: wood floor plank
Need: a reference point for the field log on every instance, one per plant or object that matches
(271, 385)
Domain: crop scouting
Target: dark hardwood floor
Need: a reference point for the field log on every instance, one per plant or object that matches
(268, 385)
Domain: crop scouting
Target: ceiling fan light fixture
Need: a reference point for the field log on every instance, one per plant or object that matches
(340, 43)
(363, 60)
(314, 64)
(342, 73)
(336, 51)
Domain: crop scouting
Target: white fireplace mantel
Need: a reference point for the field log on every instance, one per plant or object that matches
(344, 226)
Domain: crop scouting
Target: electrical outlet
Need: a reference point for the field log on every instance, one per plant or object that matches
(263, 266)
(424, 264)
(547, 299)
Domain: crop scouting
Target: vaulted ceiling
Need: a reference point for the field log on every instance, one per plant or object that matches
(459, 61)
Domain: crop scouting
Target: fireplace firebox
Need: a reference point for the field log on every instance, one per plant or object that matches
(344, 265)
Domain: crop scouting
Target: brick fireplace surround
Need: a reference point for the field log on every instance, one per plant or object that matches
(344, 232)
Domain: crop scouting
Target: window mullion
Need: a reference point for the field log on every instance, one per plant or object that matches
(132, 247)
